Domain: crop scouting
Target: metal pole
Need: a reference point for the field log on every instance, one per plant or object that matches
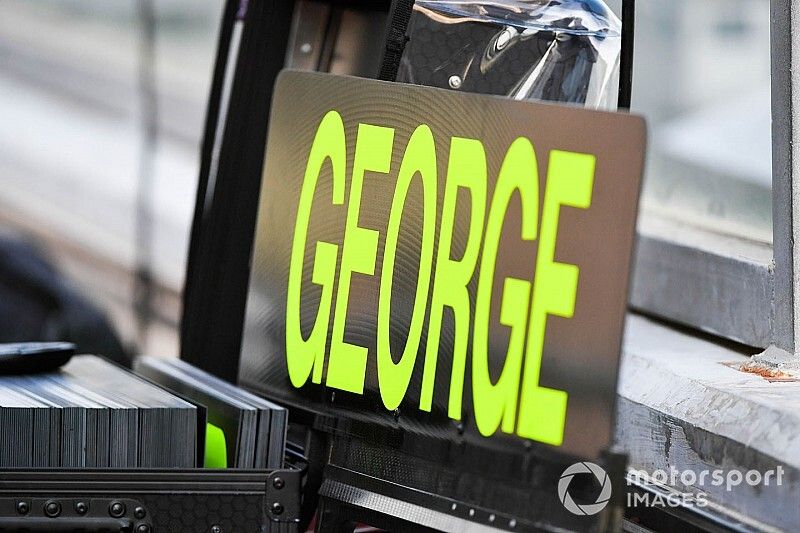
(626, 57)
(785, 79)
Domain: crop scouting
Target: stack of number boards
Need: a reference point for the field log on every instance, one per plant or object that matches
(254, 429)
(95, 447)
(94, 414)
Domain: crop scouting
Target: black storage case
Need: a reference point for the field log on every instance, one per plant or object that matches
(178, 501)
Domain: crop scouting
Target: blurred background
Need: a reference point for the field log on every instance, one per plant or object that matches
(102, 106)
(83, 172)
(702, 79)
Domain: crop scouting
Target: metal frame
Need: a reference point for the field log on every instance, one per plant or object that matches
(153, 500)
(738, 289)
(719, 284)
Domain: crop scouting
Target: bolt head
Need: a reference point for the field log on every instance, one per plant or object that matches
(116, 509)
(23, 507)
(277, 508)
(52, 508)
(81, 508)
(278, 483)
(503, 39)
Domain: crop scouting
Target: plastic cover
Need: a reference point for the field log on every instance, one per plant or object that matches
(557, 50)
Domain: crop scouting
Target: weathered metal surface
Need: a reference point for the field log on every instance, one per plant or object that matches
(716, 283)
(680, 407)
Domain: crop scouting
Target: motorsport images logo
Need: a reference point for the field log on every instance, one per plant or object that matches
(588, 509)
(666, 483)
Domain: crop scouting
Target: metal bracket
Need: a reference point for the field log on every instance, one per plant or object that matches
(73, 514)
(281, 500)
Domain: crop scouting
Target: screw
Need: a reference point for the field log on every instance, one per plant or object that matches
(23, 507)
(143, 528)
(503, 39)
(454, 82)
(277, 508)
(116, 509)
(139, 513)
(278, 483)
(216, 529)
(52, 509)
(81, 508)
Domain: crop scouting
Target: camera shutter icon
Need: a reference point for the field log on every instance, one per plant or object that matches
(588, 509)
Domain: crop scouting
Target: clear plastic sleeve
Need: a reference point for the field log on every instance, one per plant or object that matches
(556, 50)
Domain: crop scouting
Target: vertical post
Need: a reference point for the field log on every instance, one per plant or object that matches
(626, 56)
(785, 174)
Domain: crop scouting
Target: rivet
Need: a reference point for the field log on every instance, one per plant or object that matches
(116, 509)
(278, 483)
(23, 507)
(52, 508)
(139, 513)
(277, 508)
(81, 508)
